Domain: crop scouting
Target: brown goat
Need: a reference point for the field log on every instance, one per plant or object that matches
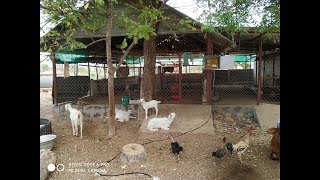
(275, 143)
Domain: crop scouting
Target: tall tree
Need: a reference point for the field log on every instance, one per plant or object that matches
(149, 54)
(91, 16)
(235, 16)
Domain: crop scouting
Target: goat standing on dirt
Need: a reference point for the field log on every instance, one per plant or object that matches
(275, 143)
(76, 118)
(150, 104)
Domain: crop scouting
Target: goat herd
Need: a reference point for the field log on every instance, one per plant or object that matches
(164, 123)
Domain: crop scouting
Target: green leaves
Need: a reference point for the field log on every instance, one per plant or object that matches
(236, 15)
(90, 16)
(188, 23)
(150, 14)
(86, 6)
(101, 2)
(143, 26)
(124, 43)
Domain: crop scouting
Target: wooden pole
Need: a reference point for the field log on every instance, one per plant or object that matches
(89, 69)
(209, 45)
(54, 76)
(97, 71)
(238, 41)
(180, 78)
(259, 71)
(104, 71)
(77, 69)
(208, 71)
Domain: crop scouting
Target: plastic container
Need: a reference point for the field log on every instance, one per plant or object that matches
(45, 126)
(278, 125)
(175, 98)
(125, 100)
(46, 141)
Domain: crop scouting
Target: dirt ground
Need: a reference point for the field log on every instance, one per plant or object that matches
(78, 158)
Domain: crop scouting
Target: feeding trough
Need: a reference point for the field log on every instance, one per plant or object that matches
(46, 141)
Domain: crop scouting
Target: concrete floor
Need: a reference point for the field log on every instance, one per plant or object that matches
(268, 115)
(189, 116)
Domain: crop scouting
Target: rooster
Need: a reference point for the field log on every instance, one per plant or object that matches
(221, 152)
(242, 145)
(175, 147)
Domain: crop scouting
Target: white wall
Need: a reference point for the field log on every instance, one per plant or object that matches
(46, 81)
(227, 62)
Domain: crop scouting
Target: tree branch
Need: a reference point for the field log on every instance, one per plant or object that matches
(44, 59)
(62, 13)
(124, 55)
(51, 9)
(45, 23)
(102, 39)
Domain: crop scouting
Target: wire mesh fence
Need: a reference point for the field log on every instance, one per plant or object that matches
(271, 77)
(175, 82)
(185, 87)
(236, 86)
(239, 86)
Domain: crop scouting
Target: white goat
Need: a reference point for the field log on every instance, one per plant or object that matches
(76, 118)
(122, 115)
(150, 104)
(163, 123)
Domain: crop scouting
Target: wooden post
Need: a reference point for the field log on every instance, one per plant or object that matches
(89, 69)
(209, 45)
(180, 78)
(209, 85)
(77, 69)
(273, 75)
(208, 72)
(104, 71)
(139, 68)
(54, 76)
(97, 71)
(238, 41)
(259, 71)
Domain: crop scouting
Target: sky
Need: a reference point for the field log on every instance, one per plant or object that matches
(185, 6)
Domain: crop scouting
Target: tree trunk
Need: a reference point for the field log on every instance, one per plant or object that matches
(148, 79)
(149, 55)
(111, 111)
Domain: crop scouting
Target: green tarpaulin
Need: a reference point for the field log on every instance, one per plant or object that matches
(78, 56)
(243, 58)
(186, 57)
(134, 60)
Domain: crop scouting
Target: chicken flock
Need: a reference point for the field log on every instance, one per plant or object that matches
(239, 147)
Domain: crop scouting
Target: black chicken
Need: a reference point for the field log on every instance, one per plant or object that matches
(221, 151)
(175, 147)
